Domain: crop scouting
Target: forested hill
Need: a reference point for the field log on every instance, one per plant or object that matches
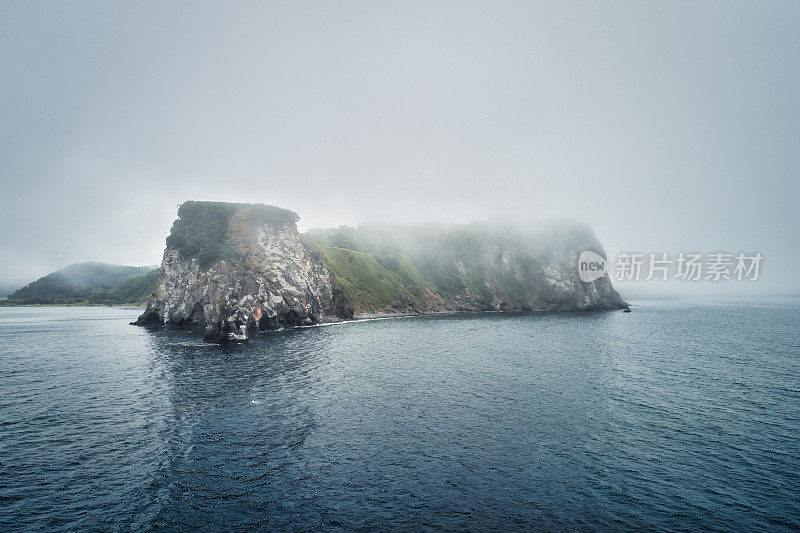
(90, 283)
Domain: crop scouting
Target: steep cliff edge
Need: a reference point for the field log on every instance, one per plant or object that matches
(236, 268)
(481, 266)
(231, 268)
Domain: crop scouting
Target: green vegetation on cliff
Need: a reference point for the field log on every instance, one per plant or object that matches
(475, 266)
(201, 229)
(365, 282)
(89, 283)
(377, 268)
(137, 289)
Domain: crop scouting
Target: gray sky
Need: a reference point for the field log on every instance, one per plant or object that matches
(667, 126)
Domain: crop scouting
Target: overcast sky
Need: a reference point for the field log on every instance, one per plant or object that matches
(667, 126)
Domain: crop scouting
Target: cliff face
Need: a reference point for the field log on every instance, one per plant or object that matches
(231, 268)
(480, 266)
(236, 268)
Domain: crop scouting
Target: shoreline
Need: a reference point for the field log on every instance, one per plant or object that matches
(372, 317)
(367, 317)
(130, 307)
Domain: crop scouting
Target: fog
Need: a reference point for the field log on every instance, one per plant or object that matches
(666, 127)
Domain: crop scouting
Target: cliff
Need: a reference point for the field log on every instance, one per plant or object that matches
(236, 268)
(481, 266)
(230, 268)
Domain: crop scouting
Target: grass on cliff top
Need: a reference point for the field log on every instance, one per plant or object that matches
(372, 282)
(201, 229)
(449, 260)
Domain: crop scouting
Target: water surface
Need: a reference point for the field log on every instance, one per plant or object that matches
(678, 415)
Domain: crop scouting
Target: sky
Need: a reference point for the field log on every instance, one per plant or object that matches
(666, 126)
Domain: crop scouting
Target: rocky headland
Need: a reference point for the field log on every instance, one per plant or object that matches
(234, 269)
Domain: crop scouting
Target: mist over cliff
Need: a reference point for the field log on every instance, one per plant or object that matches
(668, 127)
(236, 268)
(480, 266)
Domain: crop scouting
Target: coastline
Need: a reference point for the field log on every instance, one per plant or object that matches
(131, 306)
(373, 317)
(367, 317)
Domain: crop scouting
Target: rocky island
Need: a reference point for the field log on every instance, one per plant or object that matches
(233, 269)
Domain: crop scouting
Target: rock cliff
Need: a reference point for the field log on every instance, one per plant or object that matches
(230, 268)
(237, 268)
(481, 266)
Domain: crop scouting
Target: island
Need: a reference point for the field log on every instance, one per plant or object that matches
(232, 269)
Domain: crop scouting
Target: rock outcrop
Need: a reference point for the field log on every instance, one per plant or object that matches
(230, 268)
(233, 269)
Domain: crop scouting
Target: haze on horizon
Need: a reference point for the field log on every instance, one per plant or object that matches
(666, 127)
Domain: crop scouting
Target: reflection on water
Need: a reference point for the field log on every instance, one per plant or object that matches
(220, 432)
(674, 416)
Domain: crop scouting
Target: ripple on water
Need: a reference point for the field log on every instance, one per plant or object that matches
(676, 416)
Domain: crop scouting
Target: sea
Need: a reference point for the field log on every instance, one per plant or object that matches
(682, 415)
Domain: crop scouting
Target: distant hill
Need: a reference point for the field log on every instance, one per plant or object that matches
(6, 289)
(90, 283)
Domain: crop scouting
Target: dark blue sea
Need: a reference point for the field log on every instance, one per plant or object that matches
(678, 416)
